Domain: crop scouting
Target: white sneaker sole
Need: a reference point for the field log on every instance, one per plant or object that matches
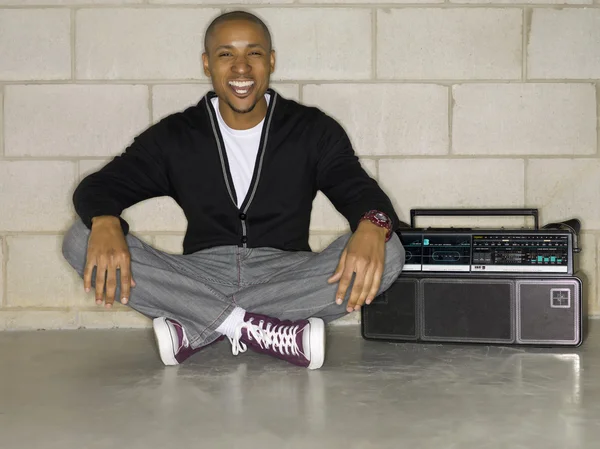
(164, 341)
(317, 343)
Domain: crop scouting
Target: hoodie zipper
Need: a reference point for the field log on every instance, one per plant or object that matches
(261, 154)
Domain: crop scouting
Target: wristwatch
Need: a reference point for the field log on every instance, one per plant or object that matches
(380, 219)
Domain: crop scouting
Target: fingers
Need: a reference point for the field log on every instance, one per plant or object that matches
(366, 287)
(106, 281)
(100, 279)
(87, 275)
(363, 259)
(345, 279)
(122, 262)
(338, 271)
(367, 280)
(111, 285)
(361, 286)
(375, 286)
(126, 283)
(108, 252)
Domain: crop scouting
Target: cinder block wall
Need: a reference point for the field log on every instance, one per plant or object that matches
(478, 103)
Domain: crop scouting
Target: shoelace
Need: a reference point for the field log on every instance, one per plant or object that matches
(281, 338)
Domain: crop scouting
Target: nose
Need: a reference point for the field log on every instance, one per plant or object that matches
(241, 66)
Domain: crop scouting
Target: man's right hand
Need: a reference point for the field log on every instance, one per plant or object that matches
(108, 251)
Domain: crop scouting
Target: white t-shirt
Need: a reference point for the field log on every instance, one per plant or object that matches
(242, 148)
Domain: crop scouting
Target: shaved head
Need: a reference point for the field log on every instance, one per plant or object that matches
(235, 16)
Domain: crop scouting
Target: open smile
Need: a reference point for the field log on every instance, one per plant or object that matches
(241, 88)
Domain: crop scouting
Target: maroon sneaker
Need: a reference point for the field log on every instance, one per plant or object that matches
(173, 344)
(299, 342)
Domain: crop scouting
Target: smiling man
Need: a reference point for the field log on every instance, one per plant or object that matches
(245, 165)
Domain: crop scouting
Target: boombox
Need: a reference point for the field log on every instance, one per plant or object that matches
(491, 286)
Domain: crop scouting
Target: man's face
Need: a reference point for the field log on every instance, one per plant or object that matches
(239, 63)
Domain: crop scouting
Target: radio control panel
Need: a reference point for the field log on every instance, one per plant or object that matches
(493, 251)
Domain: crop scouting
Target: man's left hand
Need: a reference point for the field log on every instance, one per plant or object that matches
(364, 256)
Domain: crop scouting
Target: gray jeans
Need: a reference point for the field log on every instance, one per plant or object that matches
(199, 290)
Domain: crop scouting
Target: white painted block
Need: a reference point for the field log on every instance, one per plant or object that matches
(449, 43)
(389, 119)
(453, 183)
(524, 119)
(564, 43)
(39, 276)
(320, 43)
(36, 195)
(73, 120)
(136, 43)
(565, 188)
(35, 44)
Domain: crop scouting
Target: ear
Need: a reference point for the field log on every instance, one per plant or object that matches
(205, 64)
(272, 61)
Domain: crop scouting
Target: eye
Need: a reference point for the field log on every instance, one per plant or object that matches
(224, 54)
(255, 53)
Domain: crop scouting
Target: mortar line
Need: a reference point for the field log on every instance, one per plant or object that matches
(4, 301)
(525, 180)
(73, 43)
(524, 40)
(3, 120)
(450, 118)
(374, 43)
(428, 81)
(356, 6)
(598, 118)
(150, 104)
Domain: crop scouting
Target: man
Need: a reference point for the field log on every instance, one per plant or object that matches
(245, 165)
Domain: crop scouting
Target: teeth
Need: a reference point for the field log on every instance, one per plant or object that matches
(241, 84)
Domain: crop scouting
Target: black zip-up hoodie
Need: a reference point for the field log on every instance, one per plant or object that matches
(302, 150)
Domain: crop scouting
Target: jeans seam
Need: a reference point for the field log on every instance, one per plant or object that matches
(239, 277)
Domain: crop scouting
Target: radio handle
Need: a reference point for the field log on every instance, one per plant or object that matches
(475, 213)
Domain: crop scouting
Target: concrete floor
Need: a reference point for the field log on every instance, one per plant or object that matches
(108, 389)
